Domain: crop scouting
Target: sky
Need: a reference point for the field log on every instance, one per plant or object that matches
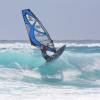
(64, 19)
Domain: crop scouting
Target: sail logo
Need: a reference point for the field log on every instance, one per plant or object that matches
(30, 19)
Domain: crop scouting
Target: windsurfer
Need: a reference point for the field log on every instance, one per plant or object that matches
(44, 53)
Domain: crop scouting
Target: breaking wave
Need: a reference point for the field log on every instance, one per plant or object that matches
(76, 66)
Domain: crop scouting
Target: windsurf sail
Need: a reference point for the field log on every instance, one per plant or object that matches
(37, 33)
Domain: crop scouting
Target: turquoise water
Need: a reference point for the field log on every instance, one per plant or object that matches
(24, 71)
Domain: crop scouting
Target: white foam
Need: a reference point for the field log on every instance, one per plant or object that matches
(10, 90)
(18, 45)
(10, 73)
(15, 45)
(95, 65)
(70, 75)
(82, 44)
(49, 97)
(32, 74)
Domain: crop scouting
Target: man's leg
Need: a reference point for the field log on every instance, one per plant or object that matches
(47, 58)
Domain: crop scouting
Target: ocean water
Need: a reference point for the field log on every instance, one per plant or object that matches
(24, 74)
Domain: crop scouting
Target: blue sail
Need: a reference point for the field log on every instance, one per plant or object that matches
(37, 33)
